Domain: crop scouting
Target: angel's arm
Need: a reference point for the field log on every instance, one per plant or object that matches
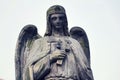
(38, 70)
(42, 67)
(38, 63)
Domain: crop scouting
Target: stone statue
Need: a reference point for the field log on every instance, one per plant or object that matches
(59, 55)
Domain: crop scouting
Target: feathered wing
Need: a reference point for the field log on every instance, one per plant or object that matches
(80, 35)
(26, 37)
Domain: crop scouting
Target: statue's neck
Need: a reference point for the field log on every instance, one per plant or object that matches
(57, 32)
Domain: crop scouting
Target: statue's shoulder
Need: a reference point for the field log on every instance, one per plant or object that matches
(73, 40)
(43, 39)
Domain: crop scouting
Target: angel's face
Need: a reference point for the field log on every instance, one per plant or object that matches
(57, 20)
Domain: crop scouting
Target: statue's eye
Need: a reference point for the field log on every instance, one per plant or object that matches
(62, 18)
(53, 18)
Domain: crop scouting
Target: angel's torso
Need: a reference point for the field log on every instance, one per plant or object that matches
(68, 69)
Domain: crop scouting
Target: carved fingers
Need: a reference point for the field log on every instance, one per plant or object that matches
(57, 55)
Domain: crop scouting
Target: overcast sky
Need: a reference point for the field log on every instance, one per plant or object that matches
(99, 18)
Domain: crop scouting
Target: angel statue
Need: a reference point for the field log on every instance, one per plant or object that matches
(59, 55)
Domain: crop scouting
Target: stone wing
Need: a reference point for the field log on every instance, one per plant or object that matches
(80, 35)
(25, 39)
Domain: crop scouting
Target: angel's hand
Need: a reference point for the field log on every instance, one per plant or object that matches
(57, 55)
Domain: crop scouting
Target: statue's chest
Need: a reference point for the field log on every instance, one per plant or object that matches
(68, 68)
(61, 43)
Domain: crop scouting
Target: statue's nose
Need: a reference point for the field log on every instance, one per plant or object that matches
(58, 21)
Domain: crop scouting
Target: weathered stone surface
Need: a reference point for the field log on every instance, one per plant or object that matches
(59, 55)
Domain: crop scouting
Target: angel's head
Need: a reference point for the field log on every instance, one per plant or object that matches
(56, 18)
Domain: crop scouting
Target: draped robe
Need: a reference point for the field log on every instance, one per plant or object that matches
(74, 67)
